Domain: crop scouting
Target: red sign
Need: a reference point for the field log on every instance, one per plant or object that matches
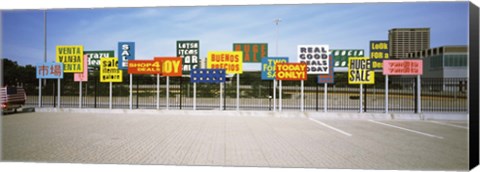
(77, 77)
(171, 66)
(402, 67)
(144, 67)
(291, 71)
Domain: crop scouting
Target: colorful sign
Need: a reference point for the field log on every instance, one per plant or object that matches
(144, 67)
(328, 78)
(126, 51)
(291, 71)
(341, 57)
(359, 71)
(402, 67)
(71, 56)
(252, 52)
(109, 71)
(207, 75)
(268, 66)
(378, 52)
(94, 57)
(77, 77)
(189, 51)
(171, 66)
(231, 61)
(316, 58)
(49, 71)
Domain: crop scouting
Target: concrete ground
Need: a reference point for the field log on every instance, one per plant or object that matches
(229, 140)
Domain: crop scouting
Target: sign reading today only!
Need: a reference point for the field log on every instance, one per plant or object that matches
(171, 66)
(291, 71)
(109, 71)
(316, 58)
(71, 56)
(231, 61)
(359, 71)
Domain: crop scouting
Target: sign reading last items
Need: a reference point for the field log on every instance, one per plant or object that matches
(171, 66)
(189, 52)
(231, 61)
(359, 71)
(109, 71)
(291, 71)
(71, 56)
(316, 58)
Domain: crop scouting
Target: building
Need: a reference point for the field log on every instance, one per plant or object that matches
(406, 40)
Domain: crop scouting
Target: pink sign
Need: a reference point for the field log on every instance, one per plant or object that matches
(402, 67)
(77, 77)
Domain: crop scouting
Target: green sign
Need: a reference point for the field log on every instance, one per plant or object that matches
(252, 52)
(378, 52)
(95, 56)
(189, 51)
(340, 57)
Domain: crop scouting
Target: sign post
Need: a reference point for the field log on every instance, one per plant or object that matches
(206, 76)
(194, 96)
(279, 97)
(130, 101)
(39, 92)
(109, 72)
(158, 91)
(171, 66)
(326, 79)
(268, 73)
(386, 93)
(292, 72)
(80, 77)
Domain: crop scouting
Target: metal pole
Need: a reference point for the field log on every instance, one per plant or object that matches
(238, 92)
(168, 93)
(137, 92)
(194, 96)
(58, 92)
(158, 91)
(80, 96)
(275, 95)
(301, 96)
(386, 93)
(280, 96)
(361, 98)
(419, 99)
(221, 95)
(39, 92)
(110, 97)
(316, 97)
(130, 101)
(325, 97)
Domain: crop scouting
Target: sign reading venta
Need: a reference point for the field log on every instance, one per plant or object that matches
(231, 61)
(378, 52)
(359, 71)
(49, 71)
(109, 71)
(291, 71)
(402, 67)
(171, 66)
(316, 58)
(207, 75)
(268, 66)
(82, 77)
(126, 51)
(95, 56)
(144, 67)
(72, 58)
(189, 51)
(252, 52)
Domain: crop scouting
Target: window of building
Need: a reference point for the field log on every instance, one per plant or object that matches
(436, 61)
(456, 60)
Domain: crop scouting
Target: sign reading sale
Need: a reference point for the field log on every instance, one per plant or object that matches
(291, 71)
(171, 66)
(109, 71)
(359, 71)
(231, 61)
(144, 67)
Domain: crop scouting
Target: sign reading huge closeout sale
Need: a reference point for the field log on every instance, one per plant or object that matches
(71, 56)
(109, 71)
(359, 71)
(252, 52)
(316, 58)
(171, 66)
(231, 61)
(378, 52)
(144, 67)
(268, 66)
(402, 67)
(126, 51)
(291, 71)
(95, 56)
(189, 51)
(49, 71)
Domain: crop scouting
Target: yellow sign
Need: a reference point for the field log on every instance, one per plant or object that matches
(72, 58)
(109, 71)
(359, 71)
(231, 61)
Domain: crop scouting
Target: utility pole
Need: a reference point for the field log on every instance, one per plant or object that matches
(276, 21)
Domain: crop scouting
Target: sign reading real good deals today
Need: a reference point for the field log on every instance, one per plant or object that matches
(109, 71)
(171, 66)
(378, 52)
(341, 57)
(126, 51)
(82, 77)
(402, 67)
(189, 51)
(359, 71)
(268, 66)
(252, 52)
(49, 71)
(231, 61)
(291, 71)
(71, 56)
(316, 58)
(207, 75)
(95, 56)
(144, 67)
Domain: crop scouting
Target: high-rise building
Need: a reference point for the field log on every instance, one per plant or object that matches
(406, 40)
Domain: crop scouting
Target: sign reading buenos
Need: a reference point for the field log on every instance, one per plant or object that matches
(359, 71)
(252, 52)
(231, 61)
(316, 58)
(71, 56)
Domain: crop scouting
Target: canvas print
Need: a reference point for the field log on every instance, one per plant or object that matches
(325, 86)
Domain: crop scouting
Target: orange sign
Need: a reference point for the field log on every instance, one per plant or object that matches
(144, 67)
(171, 66)
(291, 71)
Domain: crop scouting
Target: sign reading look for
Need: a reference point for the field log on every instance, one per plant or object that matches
(291, 71)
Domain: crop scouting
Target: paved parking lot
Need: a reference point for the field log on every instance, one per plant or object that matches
(221, 140)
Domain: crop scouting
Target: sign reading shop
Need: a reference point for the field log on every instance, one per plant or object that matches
(316, 58)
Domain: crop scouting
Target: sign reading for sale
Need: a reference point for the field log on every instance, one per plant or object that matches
(359, 71)
(291, 71)
(72, 58)
(109, 71)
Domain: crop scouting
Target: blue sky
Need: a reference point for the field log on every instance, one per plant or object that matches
(156, 30)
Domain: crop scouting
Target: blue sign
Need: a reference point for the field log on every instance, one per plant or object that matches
(50, 70)
(268, 66)
(207, 75)
(126, 51)
(327, 78)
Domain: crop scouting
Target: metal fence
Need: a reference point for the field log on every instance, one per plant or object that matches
(437, 95)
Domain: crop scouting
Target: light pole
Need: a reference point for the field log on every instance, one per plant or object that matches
(276, 21)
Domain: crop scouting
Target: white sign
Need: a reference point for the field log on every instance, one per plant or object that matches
(316, 58)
